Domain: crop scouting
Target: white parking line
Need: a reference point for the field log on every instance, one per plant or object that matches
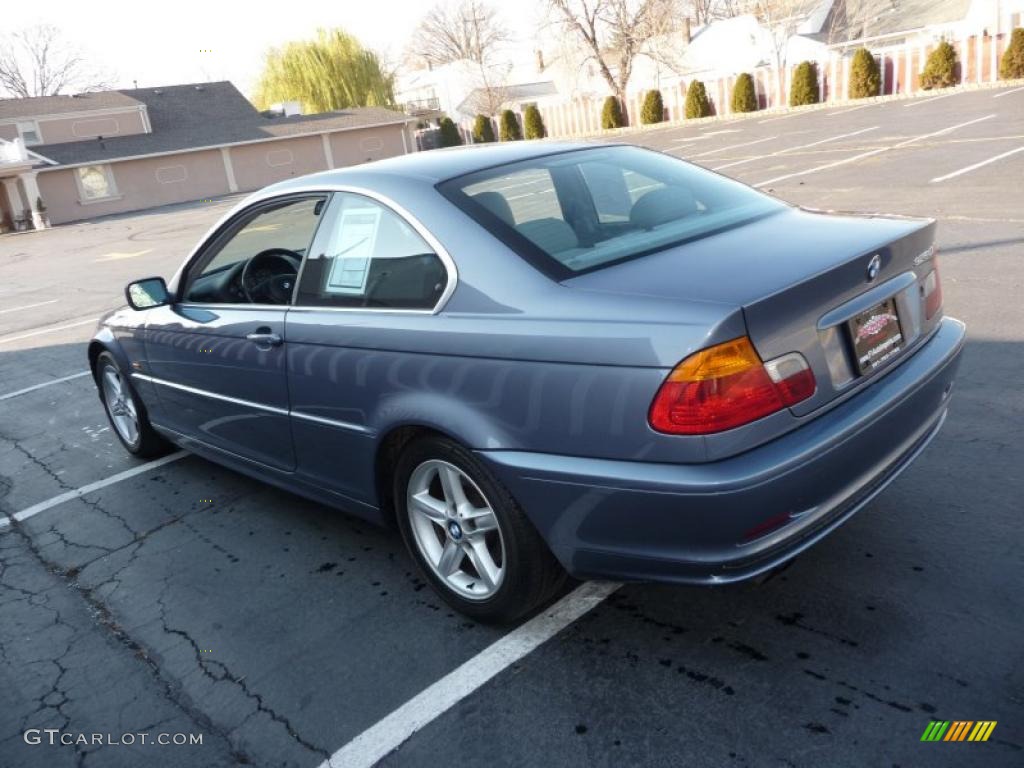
(29, 334)
(982, 164)
(42, 506)
(790, 149)
(847, 111)
(733, 146)
(1007, 93)
(919, 102)
(783, 117)
(708, 135)
(377, 741)
(28, 306)
(872, 152)
(50, 383)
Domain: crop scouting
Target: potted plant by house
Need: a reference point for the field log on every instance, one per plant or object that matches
(41, 209)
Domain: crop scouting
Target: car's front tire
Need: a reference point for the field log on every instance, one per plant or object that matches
(125, 410)
(468, 535)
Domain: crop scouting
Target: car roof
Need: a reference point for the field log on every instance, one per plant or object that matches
(439, 165)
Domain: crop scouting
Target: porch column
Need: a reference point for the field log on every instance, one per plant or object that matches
(14, 197)
(229, 169)
(28, 181)
(325, 139)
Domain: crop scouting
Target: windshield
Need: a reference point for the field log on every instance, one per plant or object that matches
(577, 211)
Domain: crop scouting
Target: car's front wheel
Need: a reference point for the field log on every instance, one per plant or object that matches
(126, 412)
(468, 535)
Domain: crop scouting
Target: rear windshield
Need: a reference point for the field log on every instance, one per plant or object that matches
(581, 210)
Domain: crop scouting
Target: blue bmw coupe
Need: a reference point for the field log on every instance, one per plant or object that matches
(543, 359)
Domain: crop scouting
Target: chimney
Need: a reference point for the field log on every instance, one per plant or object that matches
(540, 60)
(687, 34)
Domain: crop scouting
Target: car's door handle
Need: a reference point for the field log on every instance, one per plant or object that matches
(264, 337)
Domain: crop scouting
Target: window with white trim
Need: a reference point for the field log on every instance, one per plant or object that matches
(171, 174)
(95, 182)
(371, 144)
(371, 257)
(29, 132)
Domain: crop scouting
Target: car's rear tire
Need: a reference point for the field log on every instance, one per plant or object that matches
(127, 414)
(468, 536)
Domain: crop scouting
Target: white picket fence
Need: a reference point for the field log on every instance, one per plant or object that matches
(978, 57)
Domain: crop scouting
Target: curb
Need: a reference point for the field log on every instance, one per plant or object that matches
(784, 111)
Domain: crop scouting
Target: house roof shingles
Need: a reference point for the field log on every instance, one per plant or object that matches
(40, 106)
(518, 92)
(855, 19)
(186, 117)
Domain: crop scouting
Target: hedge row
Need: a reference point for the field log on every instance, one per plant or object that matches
(1012, 65)
(940, 71)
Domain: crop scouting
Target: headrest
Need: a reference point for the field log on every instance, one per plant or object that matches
(552, 235)
(662, 205)
(496, 203)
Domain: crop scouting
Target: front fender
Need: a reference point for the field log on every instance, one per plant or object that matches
(121, 333)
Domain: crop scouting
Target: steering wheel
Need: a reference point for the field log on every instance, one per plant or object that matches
(269, 276)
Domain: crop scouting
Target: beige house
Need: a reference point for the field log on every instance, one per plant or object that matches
(66, 158)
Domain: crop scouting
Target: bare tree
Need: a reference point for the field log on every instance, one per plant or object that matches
(490, 96)
(727, 9)
(470, 31)
(700, 10)
(37, 62)
(614, 32)
(706, 11)
(454, 31)
(781, 19)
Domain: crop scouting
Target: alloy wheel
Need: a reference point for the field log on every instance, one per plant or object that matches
(455, 529)
(120, 404)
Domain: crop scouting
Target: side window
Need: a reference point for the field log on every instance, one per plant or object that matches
(370, 257)
(257, 258)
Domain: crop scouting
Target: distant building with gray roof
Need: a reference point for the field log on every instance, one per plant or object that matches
(114, 151)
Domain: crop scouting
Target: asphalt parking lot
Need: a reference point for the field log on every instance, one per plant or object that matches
(183, 598)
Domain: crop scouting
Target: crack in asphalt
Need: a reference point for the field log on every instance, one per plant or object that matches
(16, 445)
(171, 690)
(215, 670)
(205, 665)
(43, 464)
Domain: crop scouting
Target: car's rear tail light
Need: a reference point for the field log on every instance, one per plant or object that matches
(792, 377)
(726, 386)
(932, 291)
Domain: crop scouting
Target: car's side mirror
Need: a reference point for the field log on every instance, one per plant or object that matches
(147, 293)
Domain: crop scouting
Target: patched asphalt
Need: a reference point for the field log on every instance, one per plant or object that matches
(189, 599)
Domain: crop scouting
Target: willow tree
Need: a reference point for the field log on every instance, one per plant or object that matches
(332, 71)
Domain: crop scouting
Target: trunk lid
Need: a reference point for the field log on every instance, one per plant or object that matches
(800, 277)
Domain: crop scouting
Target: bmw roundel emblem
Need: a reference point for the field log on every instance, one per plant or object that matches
(874, 267)
(454, 530)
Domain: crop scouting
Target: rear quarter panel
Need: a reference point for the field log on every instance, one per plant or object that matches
(527, 380)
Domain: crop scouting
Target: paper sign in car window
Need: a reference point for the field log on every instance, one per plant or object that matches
(350, 262)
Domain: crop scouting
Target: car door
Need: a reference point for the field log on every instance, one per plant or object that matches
(216, 356)
(370, 285)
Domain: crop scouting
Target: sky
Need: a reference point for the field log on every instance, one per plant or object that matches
(185, 41)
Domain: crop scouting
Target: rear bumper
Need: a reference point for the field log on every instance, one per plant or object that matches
(733, 519)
